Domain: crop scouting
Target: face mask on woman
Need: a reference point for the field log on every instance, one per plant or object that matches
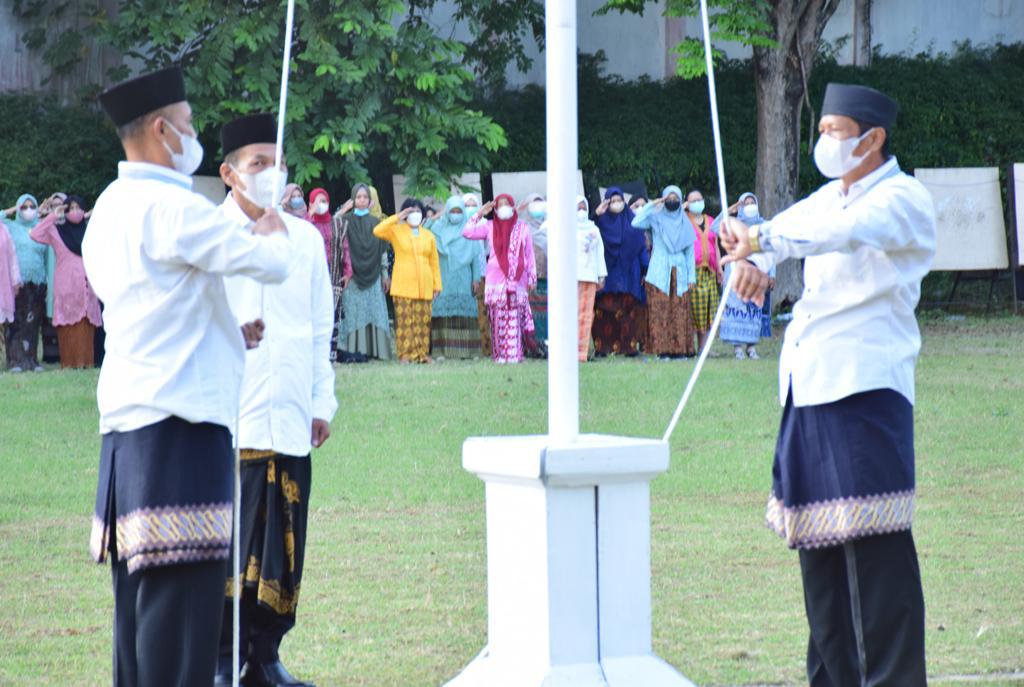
(617, 206)
(29, 214)
(749, 211)
(582, 215)
(455, 216)
(505, 212)
(322, 207)
(361, 212)
(672, 205)
(696, 206)
(414, 218)
(75, 216)
(296, 203)
(538, 209)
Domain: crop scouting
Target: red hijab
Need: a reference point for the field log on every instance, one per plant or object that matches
(501, 238)
(314, 218)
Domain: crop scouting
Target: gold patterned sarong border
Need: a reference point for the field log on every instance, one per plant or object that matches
(831, 523)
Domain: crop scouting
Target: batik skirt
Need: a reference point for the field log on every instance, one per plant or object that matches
(455, 337)
(274, 517)
(22, 335)
(511, 321)
(539, 310)
(843, 470)
(706, 294)
(617, 326)
(412, 329)
(670, 324)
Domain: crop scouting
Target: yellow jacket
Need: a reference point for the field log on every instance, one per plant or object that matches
(417, 269)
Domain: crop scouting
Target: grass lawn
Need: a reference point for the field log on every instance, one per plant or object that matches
(394, 592)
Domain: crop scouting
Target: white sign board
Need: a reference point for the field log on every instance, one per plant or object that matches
(969, 218)
(470, 182)
(211, 187)
(521, 184)
(1018, 196)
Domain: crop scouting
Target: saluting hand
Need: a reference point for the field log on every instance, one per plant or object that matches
(602, 208)
(486, 209)
(404, 213)
(349, 204)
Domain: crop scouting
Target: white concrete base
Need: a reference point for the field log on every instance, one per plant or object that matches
(568, 563)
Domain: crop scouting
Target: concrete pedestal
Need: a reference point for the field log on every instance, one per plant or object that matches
(568, 563)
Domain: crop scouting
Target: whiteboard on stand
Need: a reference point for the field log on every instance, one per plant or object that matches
(971, 231)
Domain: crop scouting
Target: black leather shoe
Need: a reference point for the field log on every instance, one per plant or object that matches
(274, 675)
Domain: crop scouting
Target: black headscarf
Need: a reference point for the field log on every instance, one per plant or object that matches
(364, 248)
(70, 233)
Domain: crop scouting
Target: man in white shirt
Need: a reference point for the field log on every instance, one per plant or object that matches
(156, 253)
(843, 479)
(287, 402)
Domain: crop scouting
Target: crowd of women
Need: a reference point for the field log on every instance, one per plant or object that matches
(466, 281)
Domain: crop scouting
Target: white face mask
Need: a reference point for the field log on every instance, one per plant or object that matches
(322, 207)
(582, 215)
(414, 218)
(749, 210)
(835, 157)
(471, 210)
(29, 214)
(505, 212)
(617, 206)
(191, 156)
(260, 188)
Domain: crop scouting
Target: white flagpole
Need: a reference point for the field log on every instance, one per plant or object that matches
(289, 26)
(562, 153)
(727, 289)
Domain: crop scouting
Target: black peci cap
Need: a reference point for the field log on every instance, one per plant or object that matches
(132, 99)
(256, 128)
(861, 103)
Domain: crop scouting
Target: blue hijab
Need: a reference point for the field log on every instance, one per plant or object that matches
(750, 221)
(457, 249)
(623, 248)
(675, 227)
(17, 215)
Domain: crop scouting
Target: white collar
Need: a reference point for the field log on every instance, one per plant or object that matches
(862, 185)
(152, 172)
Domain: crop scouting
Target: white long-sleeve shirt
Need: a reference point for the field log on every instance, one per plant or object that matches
(288, 379)
(156, 254)
(590, 262)
(866, 251)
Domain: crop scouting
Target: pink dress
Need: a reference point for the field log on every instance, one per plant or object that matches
(10, 275)
(508, 300)
(73, 298)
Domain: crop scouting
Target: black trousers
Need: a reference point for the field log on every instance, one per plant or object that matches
(166, 623)
(865, 608)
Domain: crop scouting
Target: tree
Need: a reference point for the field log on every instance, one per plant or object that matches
(364, 81)
(784, 35)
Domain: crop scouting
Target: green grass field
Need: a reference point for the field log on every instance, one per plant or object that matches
(394, 592)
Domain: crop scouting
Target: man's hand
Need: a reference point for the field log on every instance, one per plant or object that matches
(269, 223)
(252, 332)
(321, 433)
(736, 238)
(748, 282)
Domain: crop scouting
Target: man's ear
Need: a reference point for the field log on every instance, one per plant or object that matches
(225, 174)
(873, 142)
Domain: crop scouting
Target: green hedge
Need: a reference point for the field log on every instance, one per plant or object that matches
(959, 110)
(48, 148)
(964, 109)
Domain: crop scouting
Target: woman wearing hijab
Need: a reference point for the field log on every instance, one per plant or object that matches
(619, 303)
(591, 271)
(10, 281)
(76, 310)
(454, 332)
(706, 293)
(51, 351)
(533, 210)
(293, 201)
(364, 328)
(511, 274)
(22, 334)
(319, 215)
(670, 275)
(471, 202)
(416, 281)
(742, 323)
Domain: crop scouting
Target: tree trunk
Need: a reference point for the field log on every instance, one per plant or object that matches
(780, 77)
(862, 30)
